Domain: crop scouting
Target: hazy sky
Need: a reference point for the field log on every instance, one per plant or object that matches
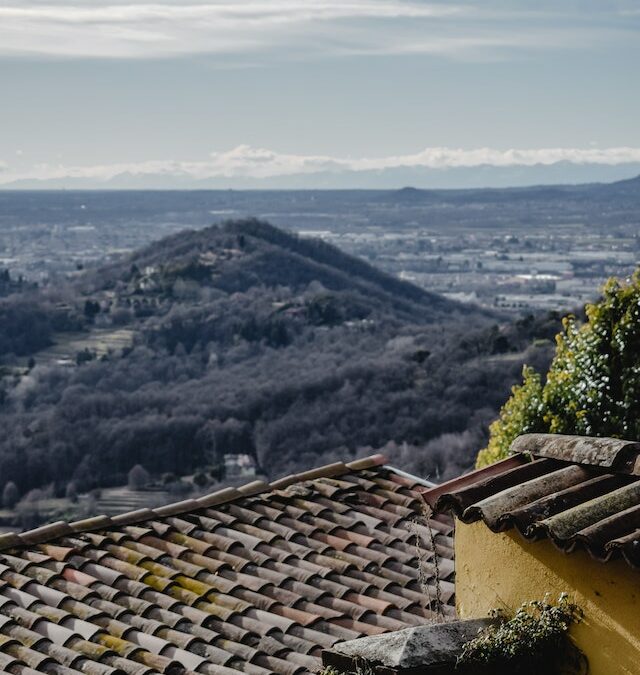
(283, 85)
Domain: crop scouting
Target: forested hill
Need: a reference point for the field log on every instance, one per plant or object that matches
(246, 339)
(240, 255)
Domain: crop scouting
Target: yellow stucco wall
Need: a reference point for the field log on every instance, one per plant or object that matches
(504, 570)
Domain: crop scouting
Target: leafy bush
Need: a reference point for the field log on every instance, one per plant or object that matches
(593, 384)
(532, 641)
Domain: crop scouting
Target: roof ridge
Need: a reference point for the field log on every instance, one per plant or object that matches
(52, 531)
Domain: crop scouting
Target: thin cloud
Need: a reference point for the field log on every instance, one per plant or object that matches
(245, 161)
(118, 29)
(153, 29)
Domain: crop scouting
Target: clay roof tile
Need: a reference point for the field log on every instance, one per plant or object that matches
(580, 492)
(256, 579)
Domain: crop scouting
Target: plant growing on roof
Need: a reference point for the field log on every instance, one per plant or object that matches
(361, 667)
(533, 641)
(593, 384)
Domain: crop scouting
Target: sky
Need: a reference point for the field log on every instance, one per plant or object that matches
(264, 88)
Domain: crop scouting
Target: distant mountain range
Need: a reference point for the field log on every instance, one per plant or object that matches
(563, 172)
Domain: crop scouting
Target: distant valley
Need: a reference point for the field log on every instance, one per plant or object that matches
(133, 332)
(246, 339)
(518, 249)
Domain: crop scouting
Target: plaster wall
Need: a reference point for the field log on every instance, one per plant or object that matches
(504, 570)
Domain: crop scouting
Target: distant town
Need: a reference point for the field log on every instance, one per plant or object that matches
(518, 250)
(558, 269)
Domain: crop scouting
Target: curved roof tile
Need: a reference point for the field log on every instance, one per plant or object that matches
(257, 579)
(580, 492)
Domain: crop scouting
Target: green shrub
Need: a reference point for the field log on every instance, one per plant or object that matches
(534, 640)
(593, 384)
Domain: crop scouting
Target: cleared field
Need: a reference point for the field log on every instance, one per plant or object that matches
(121, 499)
(99, 342)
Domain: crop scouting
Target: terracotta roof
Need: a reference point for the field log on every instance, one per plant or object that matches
(257, 579)
(580, 492)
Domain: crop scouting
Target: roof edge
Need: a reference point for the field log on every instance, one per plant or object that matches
(433, 496)
(52, 531)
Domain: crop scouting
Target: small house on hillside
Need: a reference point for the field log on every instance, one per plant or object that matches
(561, 515)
